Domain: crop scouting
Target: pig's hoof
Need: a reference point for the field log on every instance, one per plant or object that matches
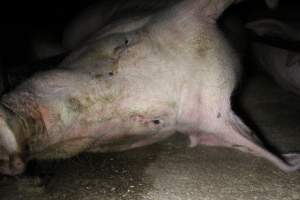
(293, 159)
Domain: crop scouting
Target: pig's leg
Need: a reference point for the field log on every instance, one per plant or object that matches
(240, 135)
(232, 132)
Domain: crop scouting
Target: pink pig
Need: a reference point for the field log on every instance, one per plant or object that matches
(126, 88)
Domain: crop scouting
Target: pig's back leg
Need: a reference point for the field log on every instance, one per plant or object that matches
(232, 132)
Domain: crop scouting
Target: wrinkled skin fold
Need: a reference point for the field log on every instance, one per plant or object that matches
(174, 71)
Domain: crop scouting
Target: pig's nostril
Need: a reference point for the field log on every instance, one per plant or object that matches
(111, 73)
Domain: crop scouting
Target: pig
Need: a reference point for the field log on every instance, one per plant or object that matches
(121, 90)
(282, 63)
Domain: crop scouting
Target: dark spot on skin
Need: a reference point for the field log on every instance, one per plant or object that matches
(156, 121)
(111, 73)
(219, 115)
(75, 105)
(204, 44)
(121, 48)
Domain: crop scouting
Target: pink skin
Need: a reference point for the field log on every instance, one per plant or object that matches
(125, 90)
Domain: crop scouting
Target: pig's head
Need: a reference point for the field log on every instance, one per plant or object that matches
(11, 162)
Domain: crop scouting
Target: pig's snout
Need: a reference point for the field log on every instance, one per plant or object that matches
(12, 166)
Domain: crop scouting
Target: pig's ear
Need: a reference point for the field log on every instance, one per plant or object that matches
(272, 3)
(271, 27)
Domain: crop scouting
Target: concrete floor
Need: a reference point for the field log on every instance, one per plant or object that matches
(172, 171)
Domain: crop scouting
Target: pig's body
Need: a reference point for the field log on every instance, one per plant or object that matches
(92, 86)
(122, 90)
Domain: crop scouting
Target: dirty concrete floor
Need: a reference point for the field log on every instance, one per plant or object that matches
(172, 171)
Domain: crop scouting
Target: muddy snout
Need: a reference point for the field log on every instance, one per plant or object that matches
(12, 165)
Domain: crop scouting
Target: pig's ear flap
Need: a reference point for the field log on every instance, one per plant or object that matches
(270, 27)
(272, 3)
